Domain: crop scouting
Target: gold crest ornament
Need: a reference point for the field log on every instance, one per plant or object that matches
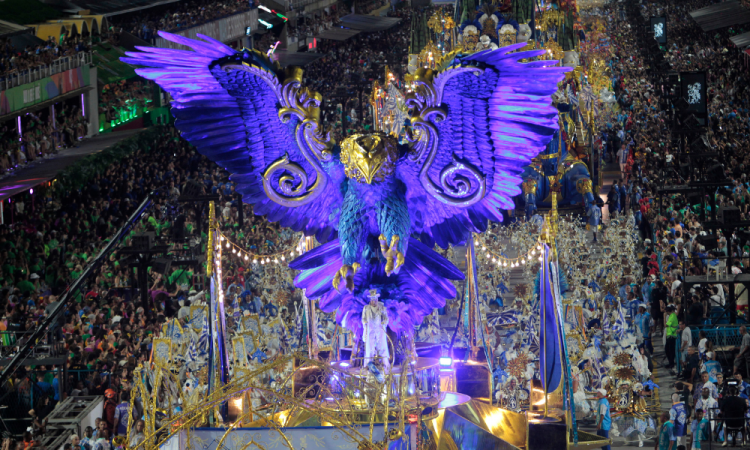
(529, 186)
(369, 158)
(554, 51)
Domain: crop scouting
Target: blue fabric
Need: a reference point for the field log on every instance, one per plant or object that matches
(550, 350)
(605, 435)
(644, 324)
(712, 367)
(666, 435)
(607, 420)
(680, 419)
(43, 388)
(56, 387)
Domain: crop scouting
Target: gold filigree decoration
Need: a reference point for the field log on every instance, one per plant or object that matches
(554, 51)
(529, 186)
(440, 22)
(460, 183)
(550, 18)
(583, 186)
(296, 102)
(521, 290)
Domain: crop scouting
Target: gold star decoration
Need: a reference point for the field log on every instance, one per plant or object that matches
(517, 365)
(622, 359)
(625, 373)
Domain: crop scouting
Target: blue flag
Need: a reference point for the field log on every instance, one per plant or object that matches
(550, 344)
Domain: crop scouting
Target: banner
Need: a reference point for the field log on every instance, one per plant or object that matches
(29, 94)
(659, 27)
(693, 86)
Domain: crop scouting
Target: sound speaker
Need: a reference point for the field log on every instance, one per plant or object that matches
(715, 173)
(729, 214)
(144, 241)
(193, 188)
(162, 265)
(710, 241)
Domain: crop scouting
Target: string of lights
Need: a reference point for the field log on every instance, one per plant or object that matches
(217, 265)
(275, 258)
(502, 261)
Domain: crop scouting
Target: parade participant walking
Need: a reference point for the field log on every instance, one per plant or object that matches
(665, 439)
(603, 417)
(678, 415)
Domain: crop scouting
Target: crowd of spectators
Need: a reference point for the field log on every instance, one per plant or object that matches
(178, 16)
(42, 137)
(121, 101)
(106, 330)
(353, 65)
(640, 139)
(15, 61)
(312, 24)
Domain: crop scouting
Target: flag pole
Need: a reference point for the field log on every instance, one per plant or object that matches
(542, 334)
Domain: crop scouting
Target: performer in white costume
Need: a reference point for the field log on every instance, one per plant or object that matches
(374, 323)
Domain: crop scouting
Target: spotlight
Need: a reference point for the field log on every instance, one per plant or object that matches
(446, 361)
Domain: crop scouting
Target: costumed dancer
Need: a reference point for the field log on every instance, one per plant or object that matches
(678, 414)
(583, 408)
(374, 323)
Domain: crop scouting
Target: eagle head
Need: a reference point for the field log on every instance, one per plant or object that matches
(369, 158)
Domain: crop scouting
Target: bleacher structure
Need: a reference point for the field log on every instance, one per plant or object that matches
(70, 417)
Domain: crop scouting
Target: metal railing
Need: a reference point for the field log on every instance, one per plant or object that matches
(12, 341)
(18, 78)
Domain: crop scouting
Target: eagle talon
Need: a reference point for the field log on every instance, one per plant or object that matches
(394, 259)
(346, 272)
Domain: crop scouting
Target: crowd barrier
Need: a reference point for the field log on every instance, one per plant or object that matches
(14, 79)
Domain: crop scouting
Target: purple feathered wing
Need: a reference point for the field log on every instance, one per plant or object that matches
(489, 112)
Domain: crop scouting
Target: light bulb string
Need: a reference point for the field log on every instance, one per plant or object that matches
(504, 261)
(247, 255)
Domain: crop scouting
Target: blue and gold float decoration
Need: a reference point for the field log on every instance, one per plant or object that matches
(376, 206)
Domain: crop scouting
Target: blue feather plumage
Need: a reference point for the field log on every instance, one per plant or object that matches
(497, 117)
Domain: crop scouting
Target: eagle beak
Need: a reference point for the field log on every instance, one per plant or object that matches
(369, 166)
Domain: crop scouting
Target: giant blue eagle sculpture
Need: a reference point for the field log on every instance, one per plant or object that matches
(376, 206)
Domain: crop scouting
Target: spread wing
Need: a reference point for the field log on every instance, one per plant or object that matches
(477, 124)
(258, 122)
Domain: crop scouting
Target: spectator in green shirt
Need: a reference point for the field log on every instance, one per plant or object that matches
(671, 329)
(180, 276)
